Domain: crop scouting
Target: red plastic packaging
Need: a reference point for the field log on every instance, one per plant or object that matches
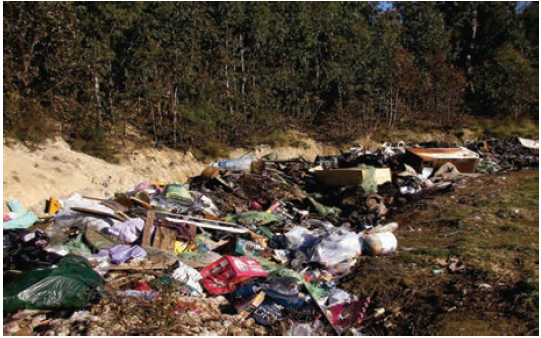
(349, 314)
(141, 286)
(222, 275)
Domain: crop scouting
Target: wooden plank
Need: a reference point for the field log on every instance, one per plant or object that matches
(148, 227)
(168, 239)
(209, 226)
(123, 215)
(97, 212)
(204, 220)
(114, 205)
(134, 268)
(141, 203)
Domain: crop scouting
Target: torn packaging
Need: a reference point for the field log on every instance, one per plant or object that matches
(222, 275)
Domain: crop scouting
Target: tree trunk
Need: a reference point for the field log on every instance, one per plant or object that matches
(474, 24)
(449, 109)
(395, 115)
(111, 91)
(97, 90)
(243, 85)
(391, 109)
(227, 93)
(174, 111)
(153, 124)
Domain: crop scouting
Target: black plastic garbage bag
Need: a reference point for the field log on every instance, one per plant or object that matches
(22, 252)
(69, 286)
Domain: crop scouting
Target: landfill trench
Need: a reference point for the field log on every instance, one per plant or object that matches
(407, 239)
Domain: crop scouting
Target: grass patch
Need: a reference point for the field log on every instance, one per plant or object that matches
(299, 144)
(433, 252)
(509, 227)
(211, 152)
(284, 139)
(490, 129)
(93, 141)
(505, 241)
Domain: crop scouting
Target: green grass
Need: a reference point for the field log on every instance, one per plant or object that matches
(499, 240)
(284, 139)
(299, 144)
(211, 152)
(505, 129)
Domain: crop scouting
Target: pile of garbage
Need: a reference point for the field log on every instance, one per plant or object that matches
(251, 246)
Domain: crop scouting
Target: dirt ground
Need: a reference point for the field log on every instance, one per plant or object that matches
(489, 228)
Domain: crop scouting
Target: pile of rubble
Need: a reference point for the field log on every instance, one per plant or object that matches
(251, 246)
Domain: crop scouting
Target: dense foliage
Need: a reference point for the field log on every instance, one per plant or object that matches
(190, 73)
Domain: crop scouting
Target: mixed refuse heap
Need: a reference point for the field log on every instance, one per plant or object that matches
(251, 246)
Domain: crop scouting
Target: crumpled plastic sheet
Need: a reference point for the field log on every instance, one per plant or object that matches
(337, 247)
(315, 328)
(121, 253)
(329, 249)
(300, 237)
(69, 286)
(66, 217)
(24, 221)
(339, 296)
(18, 217)
(128, 231)
(189, 276)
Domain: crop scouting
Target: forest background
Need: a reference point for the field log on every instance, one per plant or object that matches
(201, 75)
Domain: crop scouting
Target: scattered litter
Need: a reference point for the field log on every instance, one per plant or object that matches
(264, 238)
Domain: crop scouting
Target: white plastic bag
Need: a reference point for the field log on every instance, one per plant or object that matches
(66, 217)
(337, 247)
(300, 237)
(189, 276)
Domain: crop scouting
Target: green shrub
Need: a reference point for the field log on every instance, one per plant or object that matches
(26, 120)
(211, 151)
(93, 141)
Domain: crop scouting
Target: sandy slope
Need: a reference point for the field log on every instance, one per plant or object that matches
(56, 170)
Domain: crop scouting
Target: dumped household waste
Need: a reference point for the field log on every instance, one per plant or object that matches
(251, 246)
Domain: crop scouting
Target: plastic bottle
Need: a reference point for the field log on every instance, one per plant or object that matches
(244, 163)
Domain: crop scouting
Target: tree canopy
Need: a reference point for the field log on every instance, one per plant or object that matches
(190, 73)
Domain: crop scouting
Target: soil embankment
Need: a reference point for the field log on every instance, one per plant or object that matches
(53, 169)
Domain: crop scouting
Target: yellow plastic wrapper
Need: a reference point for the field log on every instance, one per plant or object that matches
(183, 247)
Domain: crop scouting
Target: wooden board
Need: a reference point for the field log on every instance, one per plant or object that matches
(97, 212)
(141, 203)
(148, 227)
(210, 226)
(164, 238)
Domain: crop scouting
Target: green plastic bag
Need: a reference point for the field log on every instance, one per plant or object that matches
(180, 193)
(69, 286)
(369, 179)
